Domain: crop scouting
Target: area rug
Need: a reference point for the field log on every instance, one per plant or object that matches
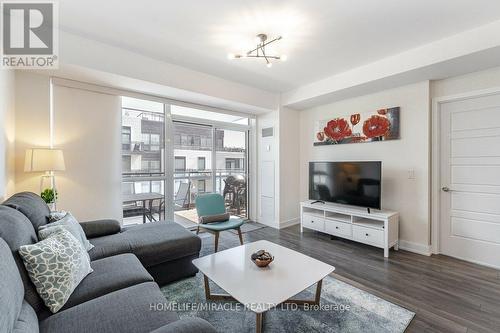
(344, 308)
(249, 226)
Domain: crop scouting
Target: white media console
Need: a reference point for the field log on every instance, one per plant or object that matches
(378, 228)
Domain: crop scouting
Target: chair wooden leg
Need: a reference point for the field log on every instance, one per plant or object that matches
(216, 241)
(240, 235)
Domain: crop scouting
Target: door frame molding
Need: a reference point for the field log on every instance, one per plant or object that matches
(437, 103)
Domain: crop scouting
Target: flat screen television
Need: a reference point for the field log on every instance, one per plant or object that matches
(350, 183)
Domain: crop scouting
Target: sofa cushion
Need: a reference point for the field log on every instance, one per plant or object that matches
(27, 322)
(152, 243)
(16, 230)
(32, 206)
(110, 274)
(100, 228)
(110, 245)
(56, 266)
(11, 289)
(126, 310)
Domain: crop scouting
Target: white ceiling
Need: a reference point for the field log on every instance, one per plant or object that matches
(321, 37)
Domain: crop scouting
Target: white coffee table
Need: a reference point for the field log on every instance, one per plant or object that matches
(261, 289)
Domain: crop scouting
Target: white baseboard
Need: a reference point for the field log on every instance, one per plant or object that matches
(415, 247)
(288, 223)
(269, 224)
(475, 262)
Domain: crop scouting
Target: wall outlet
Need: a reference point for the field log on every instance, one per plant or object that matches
(411, 174)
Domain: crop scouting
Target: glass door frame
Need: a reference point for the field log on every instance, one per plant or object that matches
(215, 125)
(164, 176)
(247, 160)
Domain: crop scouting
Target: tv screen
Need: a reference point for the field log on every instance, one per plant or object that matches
(350, 183)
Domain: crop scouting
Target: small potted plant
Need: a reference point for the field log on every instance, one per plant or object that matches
(49, 195)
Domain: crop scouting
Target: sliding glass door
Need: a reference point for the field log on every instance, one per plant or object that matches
(185, 150)
(209, 159)
(193, 174)
(143, 167)
(231, 173)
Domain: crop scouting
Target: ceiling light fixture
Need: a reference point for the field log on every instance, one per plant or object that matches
(260, 51)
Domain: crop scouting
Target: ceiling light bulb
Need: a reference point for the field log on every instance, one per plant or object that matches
(269, 65)
(231, 56)
(284, 57)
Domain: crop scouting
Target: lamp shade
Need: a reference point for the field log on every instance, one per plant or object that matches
(44, 159)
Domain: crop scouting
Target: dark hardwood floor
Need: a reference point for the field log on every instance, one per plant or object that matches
(447, 294)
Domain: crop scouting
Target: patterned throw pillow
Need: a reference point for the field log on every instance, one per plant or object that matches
(56, 266)
(69, 223)
(57, 215)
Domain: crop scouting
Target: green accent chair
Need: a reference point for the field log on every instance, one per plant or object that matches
(213, 204)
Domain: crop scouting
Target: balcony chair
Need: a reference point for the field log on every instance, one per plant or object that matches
(213, 204)
(181, 199)
(156, 207)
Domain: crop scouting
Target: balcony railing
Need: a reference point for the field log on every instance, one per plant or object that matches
(191, 177)
(139, 147)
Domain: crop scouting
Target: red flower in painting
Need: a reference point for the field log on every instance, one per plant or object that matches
(376, 126)
(320, 136)
(382, 112)
(337, 129)
(355, 118)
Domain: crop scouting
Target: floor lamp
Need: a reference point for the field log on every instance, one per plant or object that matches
(46, 160)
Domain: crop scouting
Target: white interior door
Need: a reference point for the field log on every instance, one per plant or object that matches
(470, 179)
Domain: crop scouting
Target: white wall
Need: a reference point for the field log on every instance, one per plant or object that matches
(7, 133)
(410, 197)
(87, 127)
(281, 209)
(268, 170)
(32, 124)
(289, 174)
(466, 83)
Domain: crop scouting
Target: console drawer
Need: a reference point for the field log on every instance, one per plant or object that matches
(313, 222)
(338, 228)
(368, 235)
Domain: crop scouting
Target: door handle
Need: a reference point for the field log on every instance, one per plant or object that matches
(445, 189)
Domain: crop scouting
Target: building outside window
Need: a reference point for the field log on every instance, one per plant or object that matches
(126, 138)
(180, 163)
(202, 163)
(154, 142)
(201, 186)
(126, 163)
(151, 165)
(234, 163)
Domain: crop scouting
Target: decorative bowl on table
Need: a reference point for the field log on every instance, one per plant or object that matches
(262, 258)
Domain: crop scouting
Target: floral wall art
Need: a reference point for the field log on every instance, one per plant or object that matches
(380, 125)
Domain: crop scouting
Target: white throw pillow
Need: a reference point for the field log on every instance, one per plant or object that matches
(56, 266)
(69, 223)
(57, 215)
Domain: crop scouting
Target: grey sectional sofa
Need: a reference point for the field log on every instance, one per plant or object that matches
(118, 296)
